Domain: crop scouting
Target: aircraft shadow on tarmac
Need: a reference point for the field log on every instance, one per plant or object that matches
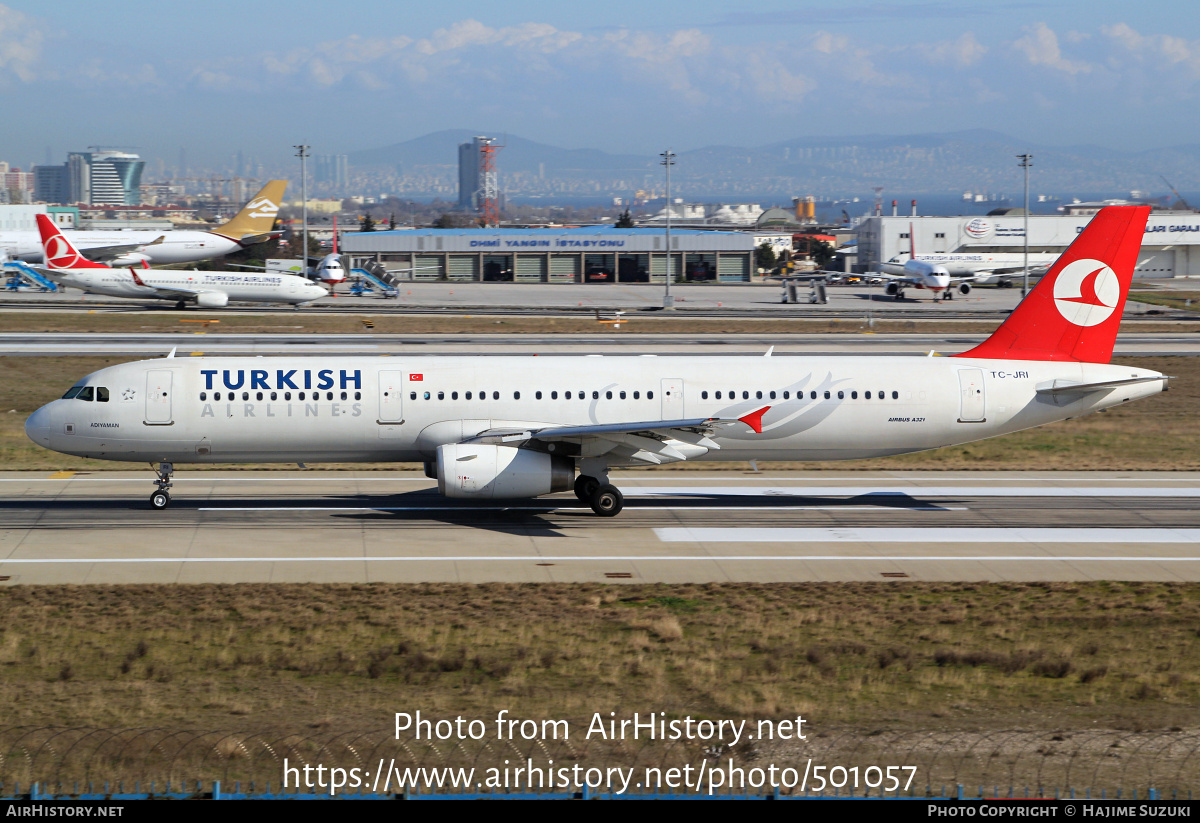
(544, 517)
(533, 517)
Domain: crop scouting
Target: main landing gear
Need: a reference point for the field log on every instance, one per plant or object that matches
(605, 499)
(162, 498)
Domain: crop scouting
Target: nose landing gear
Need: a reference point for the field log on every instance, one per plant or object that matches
(162, 497)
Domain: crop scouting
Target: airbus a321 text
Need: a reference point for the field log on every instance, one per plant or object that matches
(515, 427)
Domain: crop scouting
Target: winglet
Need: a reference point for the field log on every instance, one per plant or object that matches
(754, 419)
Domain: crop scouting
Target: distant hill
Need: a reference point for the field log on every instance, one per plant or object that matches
(976, 159)
(518, 155)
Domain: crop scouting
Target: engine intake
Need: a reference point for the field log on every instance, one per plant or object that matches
(499, 472)
(212, 300)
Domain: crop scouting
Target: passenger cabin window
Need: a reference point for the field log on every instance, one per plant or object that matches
(495, 395)
(827, 395)
(595, 395)
(608, 395)
(101, 394)
(537, 395)
(203, 395)
(649, 395)
(516, 395)
(786, 395)
(703, 395)
(853, 395)
(635, 395)
(453, 395)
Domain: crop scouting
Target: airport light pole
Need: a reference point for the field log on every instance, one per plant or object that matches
(668, 160)
(302, 153)
(1026, 162)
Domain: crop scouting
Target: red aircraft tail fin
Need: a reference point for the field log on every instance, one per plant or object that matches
(58, 251)
(1075, 311)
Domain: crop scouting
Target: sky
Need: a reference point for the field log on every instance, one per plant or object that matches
(224, 76)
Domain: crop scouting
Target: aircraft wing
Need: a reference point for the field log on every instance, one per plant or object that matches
(648, 442)
(99, 254)
(175, 293)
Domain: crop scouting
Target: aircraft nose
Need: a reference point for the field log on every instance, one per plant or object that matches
(37, 427)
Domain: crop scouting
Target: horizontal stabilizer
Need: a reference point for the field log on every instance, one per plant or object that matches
(1067, 387)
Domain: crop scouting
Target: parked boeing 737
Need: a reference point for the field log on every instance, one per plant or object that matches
(253, 224)
(207, 289)
(513, 427)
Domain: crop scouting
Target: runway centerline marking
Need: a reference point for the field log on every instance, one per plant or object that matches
(539, 558)
(923, 535)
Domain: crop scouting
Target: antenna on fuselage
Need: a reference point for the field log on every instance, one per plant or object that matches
(172, 354)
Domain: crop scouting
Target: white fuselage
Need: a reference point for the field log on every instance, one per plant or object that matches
(267, 287)
(297, 409)
(985, 268)
(919, 275)
(177, 246)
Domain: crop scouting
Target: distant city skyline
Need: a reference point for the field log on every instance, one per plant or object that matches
(624, 77)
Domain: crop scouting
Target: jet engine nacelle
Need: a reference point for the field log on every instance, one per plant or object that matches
(212, 300)
(498, 472)
(892, 289)
(964, 288)
(132, 258)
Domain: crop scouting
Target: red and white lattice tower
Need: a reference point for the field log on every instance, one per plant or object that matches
(489, 202)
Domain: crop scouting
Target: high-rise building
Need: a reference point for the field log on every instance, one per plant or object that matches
(331, 170)
(97, 178)
(471, 182)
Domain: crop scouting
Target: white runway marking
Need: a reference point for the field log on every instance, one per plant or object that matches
(910, 491)
(918, 535)
(581, 507)
(1021, 558)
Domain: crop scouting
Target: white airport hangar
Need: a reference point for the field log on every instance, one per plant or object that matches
(1171, 247)
(588, 254)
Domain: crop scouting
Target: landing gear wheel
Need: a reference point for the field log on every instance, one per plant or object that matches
(608, 501)
(181, 305)
(160, 500)
(585, 487)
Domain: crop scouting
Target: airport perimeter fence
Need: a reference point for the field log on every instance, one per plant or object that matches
(64, 762)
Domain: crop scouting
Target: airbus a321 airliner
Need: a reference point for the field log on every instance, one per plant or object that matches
(515, 427)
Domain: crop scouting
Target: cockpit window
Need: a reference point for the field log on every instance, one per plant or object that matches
(101, 395)
(86, 393)
(72, 392)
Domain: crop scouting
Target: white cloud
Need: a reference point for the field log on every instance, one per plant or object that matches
(20, 44)
(1163, 49)
(1040, 47)
(963, 51)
